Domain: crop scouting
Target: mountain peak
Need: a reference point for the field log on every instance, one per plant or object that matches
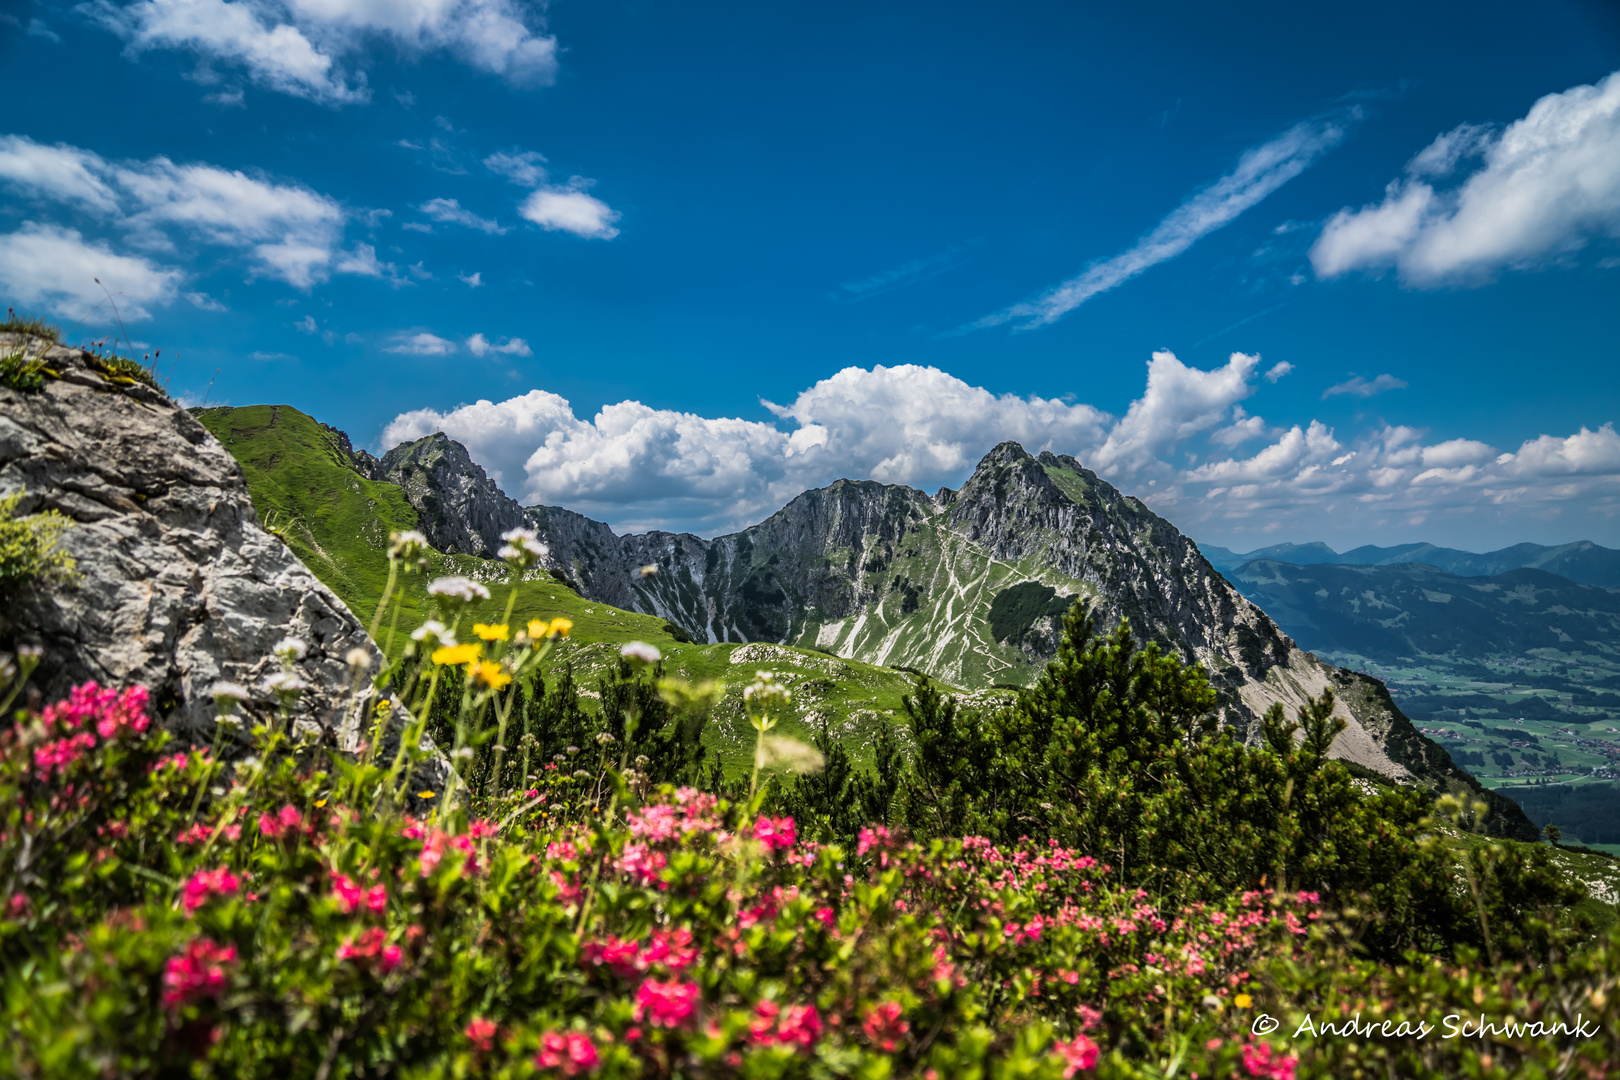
(1004, 453)
(460, 509)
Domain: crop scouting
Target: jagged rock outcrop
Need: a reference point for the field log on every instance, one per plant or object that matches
(177, 583)
(460, 509)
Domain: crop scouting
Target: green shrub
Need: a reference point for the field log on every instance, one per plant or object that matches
(21, 370)
(28, 545)
(1113, 751)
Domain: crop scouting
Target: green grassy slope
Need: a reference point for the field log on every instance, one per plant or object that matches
(306, 489)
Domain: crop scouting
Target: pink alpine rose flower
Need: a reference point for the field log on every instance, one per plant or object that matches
(883, 1025)
(571, 1053)
(666, 1004)
(777, 834)
(1079, 1055)
(204, 885)
(197, 973)
(481, 1033)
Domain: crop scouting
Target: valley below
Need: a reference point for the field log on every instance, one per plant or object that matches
(1515, 671)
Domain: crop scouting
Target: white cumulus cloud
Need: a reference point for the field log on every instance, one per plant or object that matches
(55, 268)
(639, 467)
(1546, 186)
(282, 230)
(479, 345)
(571, 209)
(313, 48)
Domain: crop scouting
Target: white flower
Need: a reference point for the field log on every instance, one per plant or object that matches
(766, 688)
(457, 590)
(359, 659)
(523, 547)
(641, 652)
(223, 692)
(433, 630)
(290, 649)
(406, 545)
(284, 684)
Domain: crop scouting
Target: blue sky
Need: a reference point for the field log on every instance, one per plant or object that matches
(1345, 272)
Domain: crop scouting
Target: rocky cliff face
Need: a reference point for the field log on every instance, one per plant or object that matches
(177, 584)
(459, 507)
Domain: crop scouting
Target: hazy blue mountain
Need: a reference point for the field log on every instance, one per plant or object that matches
(1414, 609)
(1582, 562)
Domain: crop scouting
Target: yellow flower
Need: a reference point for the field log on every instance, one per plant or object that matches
(424, 794)
(539, 629)
(319, 803)
(456, 654)
(496, 632)
(1243, 1001)
(489, 674)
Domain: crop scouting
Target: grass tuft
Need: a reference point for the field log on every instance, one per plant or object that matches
(29, 324)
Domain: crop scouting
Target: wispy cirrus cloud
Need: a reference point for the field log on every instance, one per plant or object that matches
(1356, 386)
(449, 211)
(1260, 171)
(911, 273)
(421, 343)
(479, 345)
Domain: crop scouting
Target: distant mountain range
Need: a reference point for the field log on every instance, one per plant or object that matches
(1582, 562)
(1413, 609)
(1509, 659)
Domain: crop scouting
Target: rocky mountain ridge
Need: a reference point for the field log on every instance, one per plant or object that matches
(890, 575)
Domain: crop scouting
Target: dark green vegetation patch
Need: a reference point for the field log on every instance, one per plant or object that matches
(1587, 813)
(1014, 611)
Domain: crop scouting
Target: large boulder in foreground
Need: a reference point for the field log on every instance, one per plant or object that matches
(178, 584)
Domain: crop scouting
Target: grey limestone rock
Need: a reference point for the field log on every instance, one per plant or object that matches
(178, 585)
